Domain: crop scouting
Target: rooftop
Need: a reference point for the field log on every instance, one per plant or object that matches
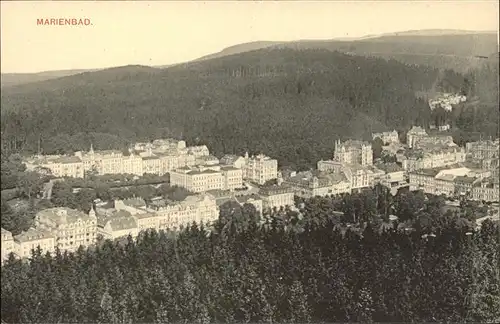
(68, 159)
(275, 190)
(154, 157)
(62, 215)
(196, 172)
(465, 179)
(389, 167)
(32, 235)
(135, 202)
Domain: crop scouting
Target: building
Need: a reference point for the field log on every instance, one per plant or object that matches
(362, 176)
(316, 183)
(277, 197)
(7, 245)
(113, 224)
(394, 177)
(233, 160)
(260, 168)
(329, 166)
(463, 185)
(486, 189)
(353, 152)
(428, 142)
(480, 150)
(435, 157)
(71, 228)
(414, 134)
(59, 166)
(205, 178)
(200, 209)
(387, 137)
(30, 240)
(253, 200)
(358, 176)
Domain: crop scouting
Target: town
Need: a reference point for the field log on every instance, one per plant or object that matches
(433, 164)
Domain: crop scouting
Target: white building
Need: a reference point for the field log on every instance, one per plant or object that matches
(277, 197)
(116, 223)
(353, 152)
(71, 228)
(414, 134)
(30, 240)
(387, 137)
(7, 245)
(205, 178)
(260, 168)
(316, 183)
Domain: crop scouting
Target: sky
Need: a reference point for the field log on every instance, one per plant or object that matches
(161, 33)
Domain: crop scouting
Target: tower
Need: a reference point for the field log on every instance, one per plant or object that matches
(92, 213)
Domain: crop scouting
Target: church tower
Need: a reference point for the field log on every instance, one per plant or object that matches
(92, 213)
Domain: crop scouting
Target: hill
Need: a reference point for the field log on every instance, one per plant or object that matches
(11, 79)
(240, 48)
(444, 49)
(291, 104)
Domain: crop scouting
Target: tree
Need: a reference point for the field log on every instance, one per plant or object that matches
(29, 184)
(377, 145)
(62, 195)
(84, 199)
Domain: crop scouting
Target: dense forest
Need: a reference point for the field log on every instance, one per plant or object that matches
(290, 104)
(289, 267)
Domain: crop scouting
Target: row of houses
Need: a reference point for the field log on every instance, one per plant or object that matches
(455, 182)
(158, 157)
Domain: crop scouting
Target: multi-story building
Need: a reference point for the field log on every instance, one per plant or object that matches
(59, 166)
(7, 245)
(200, 209)
(414, 134)
(316, 183)
(387, 137)
(71, 228)
(362, 176)
(277, 197)
(233, 160)
(463, 185)
(254, 200)
(394, 177)
(205, 178)
(483, 149)
(429, 142)
(432, 158)
(353, 152)
(31, 239)
(486, 189)
(113, 224)
(260, 168)
(329, 166)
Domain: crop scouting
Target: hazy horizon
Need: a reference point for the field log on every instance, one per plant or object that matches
(165, 33)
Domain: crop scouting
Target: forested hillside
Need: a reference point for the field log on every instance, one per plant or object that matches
(444, 49)
(309, 270)
(290, 104)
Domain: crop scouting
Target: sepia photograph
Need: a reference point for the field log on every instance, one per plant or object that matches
(250, 162)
